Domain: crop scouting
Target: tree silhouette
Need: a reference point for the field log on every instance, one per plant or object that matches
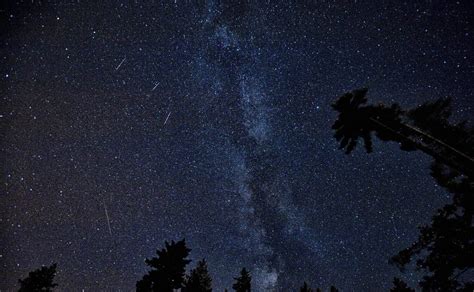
(356, 121)
(450, 237)
(445, 249)
(39, 280)
(305, 288)
(242, 283)
(448, 240)
(400, 286)
(168, 268)
(199, 279)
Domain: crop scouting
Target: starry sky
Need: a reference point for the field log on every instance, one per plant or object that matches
(128, 123)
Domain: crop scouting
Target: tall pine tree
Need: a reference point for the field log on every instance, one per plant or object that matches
(444, 249)
(168, 269)
(199, 279)
(243, 282)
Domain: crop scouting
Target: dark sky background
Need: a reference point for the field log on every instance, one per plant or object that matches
(210, 121)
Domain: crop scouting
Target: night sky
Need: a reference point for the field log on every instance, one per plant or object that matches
(128, 123)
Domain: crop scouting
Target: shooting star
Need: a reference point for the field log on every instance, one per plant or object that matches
(108, 219)
(167, 118)
(156, 85)
(120, 64)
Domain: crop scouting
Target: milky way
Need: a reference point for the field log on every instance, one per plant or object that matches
(128, 123)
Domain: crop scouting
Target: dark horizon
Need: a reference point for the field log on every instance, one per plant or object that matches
(125, 124)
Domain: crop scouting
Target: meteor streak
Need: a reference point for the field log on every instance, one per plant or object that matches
(120, 64)
(167, 118)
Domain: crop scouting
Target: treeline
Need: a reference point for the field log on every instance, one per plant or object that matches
(167, 274)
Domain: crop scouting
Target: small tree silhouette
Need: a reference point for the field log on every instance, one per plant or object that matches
(168, 268)
(199, 279)
(305, 288)
(400, 286)
(242, 283)
(39, 280)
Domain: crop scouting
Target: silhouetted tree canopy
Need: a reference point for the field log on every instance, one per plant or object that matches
(450, 237)
(167, 275)
(39, 280)
(168, 268)
(356, 121)
(305, 288)
(400, 286)
(199, 279)
(243, 282)
(445, 249)
(415, 129)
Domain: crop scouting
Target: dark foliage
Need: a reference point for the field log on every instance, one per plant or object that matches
(452, 143)
(449, 238)
(167, 275)
(408, 128)
(305, 288)
(39, 280)
(400, 286)
(356, 121)
(243, 282)
(199, 279)
(445, 249)
(168, 268)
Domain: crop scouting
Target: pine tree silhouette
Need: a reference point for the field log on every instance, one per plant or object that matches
(199, 279)
(168, 268)
(400, 286)
(242, 283)
(445, 249)
(39, 280)
(450, 237)
(333, 289)
(408, 128)
(305, 288)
